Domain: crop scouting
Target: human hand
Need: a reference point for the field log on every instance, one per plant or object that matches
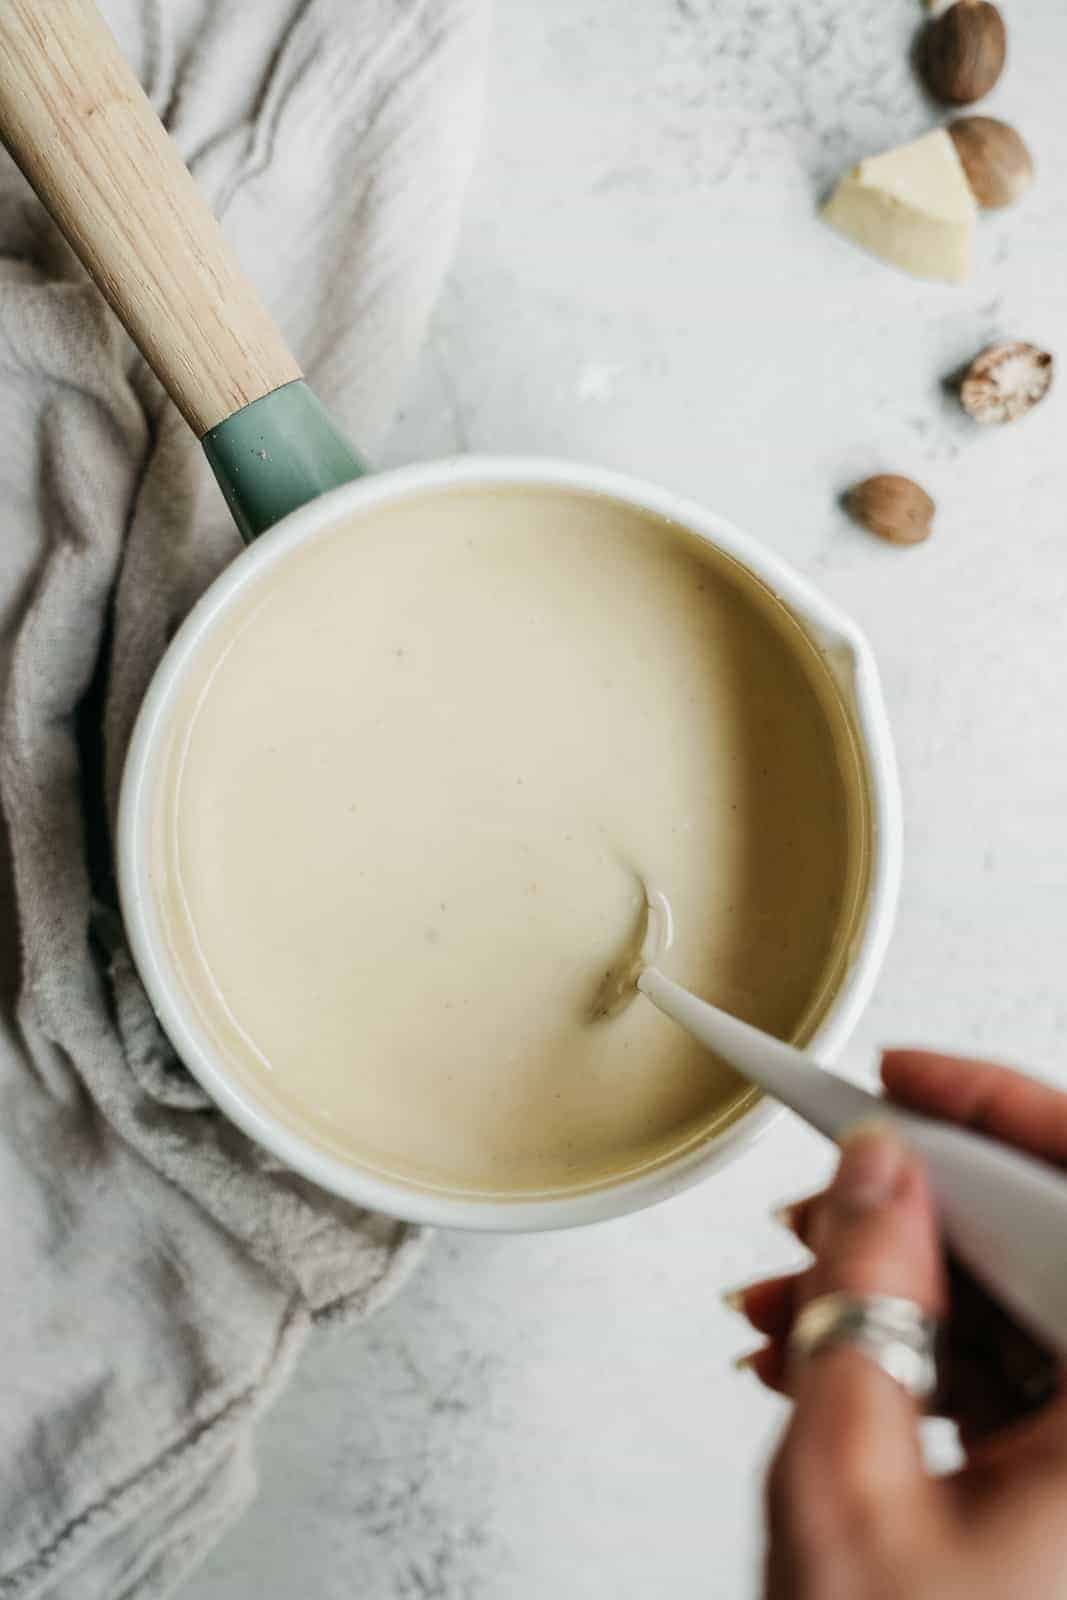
(853, 1513)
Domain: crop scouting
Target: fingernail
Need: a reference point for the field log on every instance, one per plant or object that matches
(872, 1157)
(747, 1362)
(789, 1216)
(734, 1299)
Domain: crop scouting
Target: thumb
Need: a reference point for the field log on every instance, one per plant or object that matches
(855, 1429)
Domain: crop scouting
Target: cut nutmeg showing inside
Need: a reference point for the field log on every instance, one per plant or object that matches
(893, 507)
(998, 165)
(912, 207)
(1005, 382)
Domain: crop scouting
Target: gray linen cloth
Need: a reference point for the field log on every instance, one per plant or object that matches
(158, 1273)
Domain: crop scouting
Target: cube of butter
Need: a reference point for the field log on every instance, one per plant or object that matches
(913, 207)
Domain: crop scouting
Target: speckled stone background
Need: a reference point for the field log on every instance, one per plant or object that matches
(642, 282)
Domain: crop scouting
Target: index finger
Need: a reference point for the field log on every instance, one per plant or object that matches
(978, 1094)
(854, 1432)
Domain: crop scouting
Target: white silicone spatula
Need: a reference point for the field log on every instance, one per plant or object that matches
(1004, 1214)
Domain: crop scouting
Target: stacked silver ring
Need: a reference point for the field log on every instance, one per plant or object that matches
(894, 1333)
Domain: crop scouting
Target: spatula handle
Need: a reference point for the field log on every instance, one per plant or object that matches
(1004, 1214)
(81, 128)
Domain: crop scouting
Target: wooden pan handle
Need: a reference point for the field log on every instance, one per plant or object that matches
(81, 128)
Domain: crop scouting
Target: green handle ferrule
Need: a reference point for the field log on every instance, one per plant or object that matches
(276, 454)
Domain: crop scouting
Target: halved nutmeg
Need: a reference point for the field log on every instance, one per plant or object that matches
(998, 165)
(893, 507)
(1005, 381)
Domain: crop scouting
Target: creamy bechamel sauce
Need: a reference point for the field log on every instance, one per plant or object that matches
(409, 792)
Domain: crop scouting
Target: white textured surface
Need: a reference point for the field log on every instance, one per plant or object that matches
(643, 283)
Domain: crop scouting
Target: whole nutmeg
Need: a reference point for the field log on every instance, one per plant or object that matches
(998, 165)
(963, 51)
(1006, 381)
(893, 507)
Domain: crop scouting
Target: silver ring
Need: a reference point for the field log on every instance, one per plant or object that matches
(894, 1333)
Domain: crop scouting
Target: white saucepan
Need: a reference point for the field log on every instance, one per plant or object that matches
(80, 127)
